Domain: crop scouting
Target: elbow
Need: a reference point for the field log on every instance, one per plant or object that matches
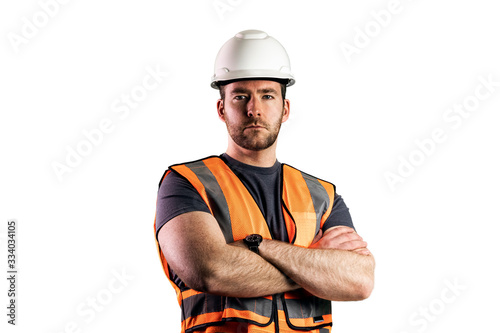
(363, 290)
(202, 280)
(196, 276)
(357, 290)
(357, 286)
(349, 292)
(196, 283)
(364, 286)
(205, 276)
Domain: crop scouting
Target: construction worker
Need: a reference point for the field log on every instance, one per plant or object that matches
(248, 243)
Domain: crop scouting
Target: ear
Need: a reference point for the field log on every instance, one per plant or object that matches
(220, 109)
(286, 110)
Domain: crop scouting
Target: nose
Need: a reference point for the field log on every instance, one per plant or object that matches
(254, 107)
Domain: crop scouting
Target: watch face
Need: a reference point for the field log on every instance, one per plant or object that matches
(253, 242)
(253, 238)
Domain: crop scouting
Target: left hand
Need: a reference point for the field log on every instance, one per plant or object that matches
(340, 238)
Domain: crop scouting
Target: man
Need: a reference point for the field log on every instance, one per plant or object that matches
(250, 244)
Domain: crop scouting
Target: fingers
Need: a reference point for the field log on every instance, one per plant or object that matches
(338, 230)
(363, 251)
(352, 245)
(341, 238)
(318, 237)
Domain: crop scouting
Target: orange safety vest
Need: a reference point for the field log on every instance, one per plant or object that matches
(306, 204)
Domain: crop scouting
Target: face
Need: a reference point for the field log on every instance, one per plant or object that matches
(253, 112)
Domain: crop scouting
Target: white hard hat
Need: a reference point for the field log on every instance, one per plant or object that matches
(252, 54)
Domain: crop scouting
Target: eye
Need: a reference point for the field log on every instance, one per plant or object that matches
(240, 97)
(267, 97)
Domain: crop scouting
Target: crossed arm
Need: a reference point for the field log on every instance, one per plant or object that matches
(337, 266)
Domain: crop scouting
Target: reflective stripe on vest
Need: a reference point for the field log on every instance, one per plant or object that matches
(306, 204)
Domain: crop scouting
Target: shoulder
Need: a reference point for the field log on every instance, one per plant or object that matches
(310, 179)
(198, 161)
(176, 169)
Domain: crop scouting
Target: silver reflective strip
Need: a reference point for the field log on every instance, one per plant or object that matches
(216, 198)
(261, 306)
(319, 196)
(307, 307)
(206, 303)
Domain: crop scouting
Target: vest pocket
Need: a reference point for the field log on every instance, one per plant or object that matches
(309, 312)
(258, 311)
(209, 310)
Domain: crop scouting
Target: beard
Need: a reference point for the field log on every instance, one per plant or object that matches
(254, 139)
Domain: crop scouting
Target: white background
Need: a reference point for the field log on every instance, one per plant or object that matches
(351, 123)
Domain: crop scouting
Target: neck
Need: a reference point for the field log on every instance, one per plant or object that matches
(261, 158)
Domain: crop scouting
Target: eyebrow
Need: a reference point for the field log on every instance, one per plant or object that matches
(247, 91)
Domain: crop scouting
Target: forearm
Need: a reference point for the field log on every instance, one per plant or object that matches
(238, 272)
(332, 274)
(214, 266)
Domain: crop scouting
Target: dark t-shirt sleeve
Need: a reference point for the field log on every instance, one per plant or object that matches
(176, 196)
(339, 215)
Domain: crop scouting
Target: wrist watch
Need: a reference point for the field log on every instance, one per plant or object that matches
(253, 241)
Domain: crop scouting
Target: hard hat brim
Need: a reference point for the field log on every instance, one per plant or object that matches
(219, 84)
(244, 75)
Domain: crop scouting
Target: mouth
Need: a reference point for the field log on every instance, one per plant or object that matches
(254, 127)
